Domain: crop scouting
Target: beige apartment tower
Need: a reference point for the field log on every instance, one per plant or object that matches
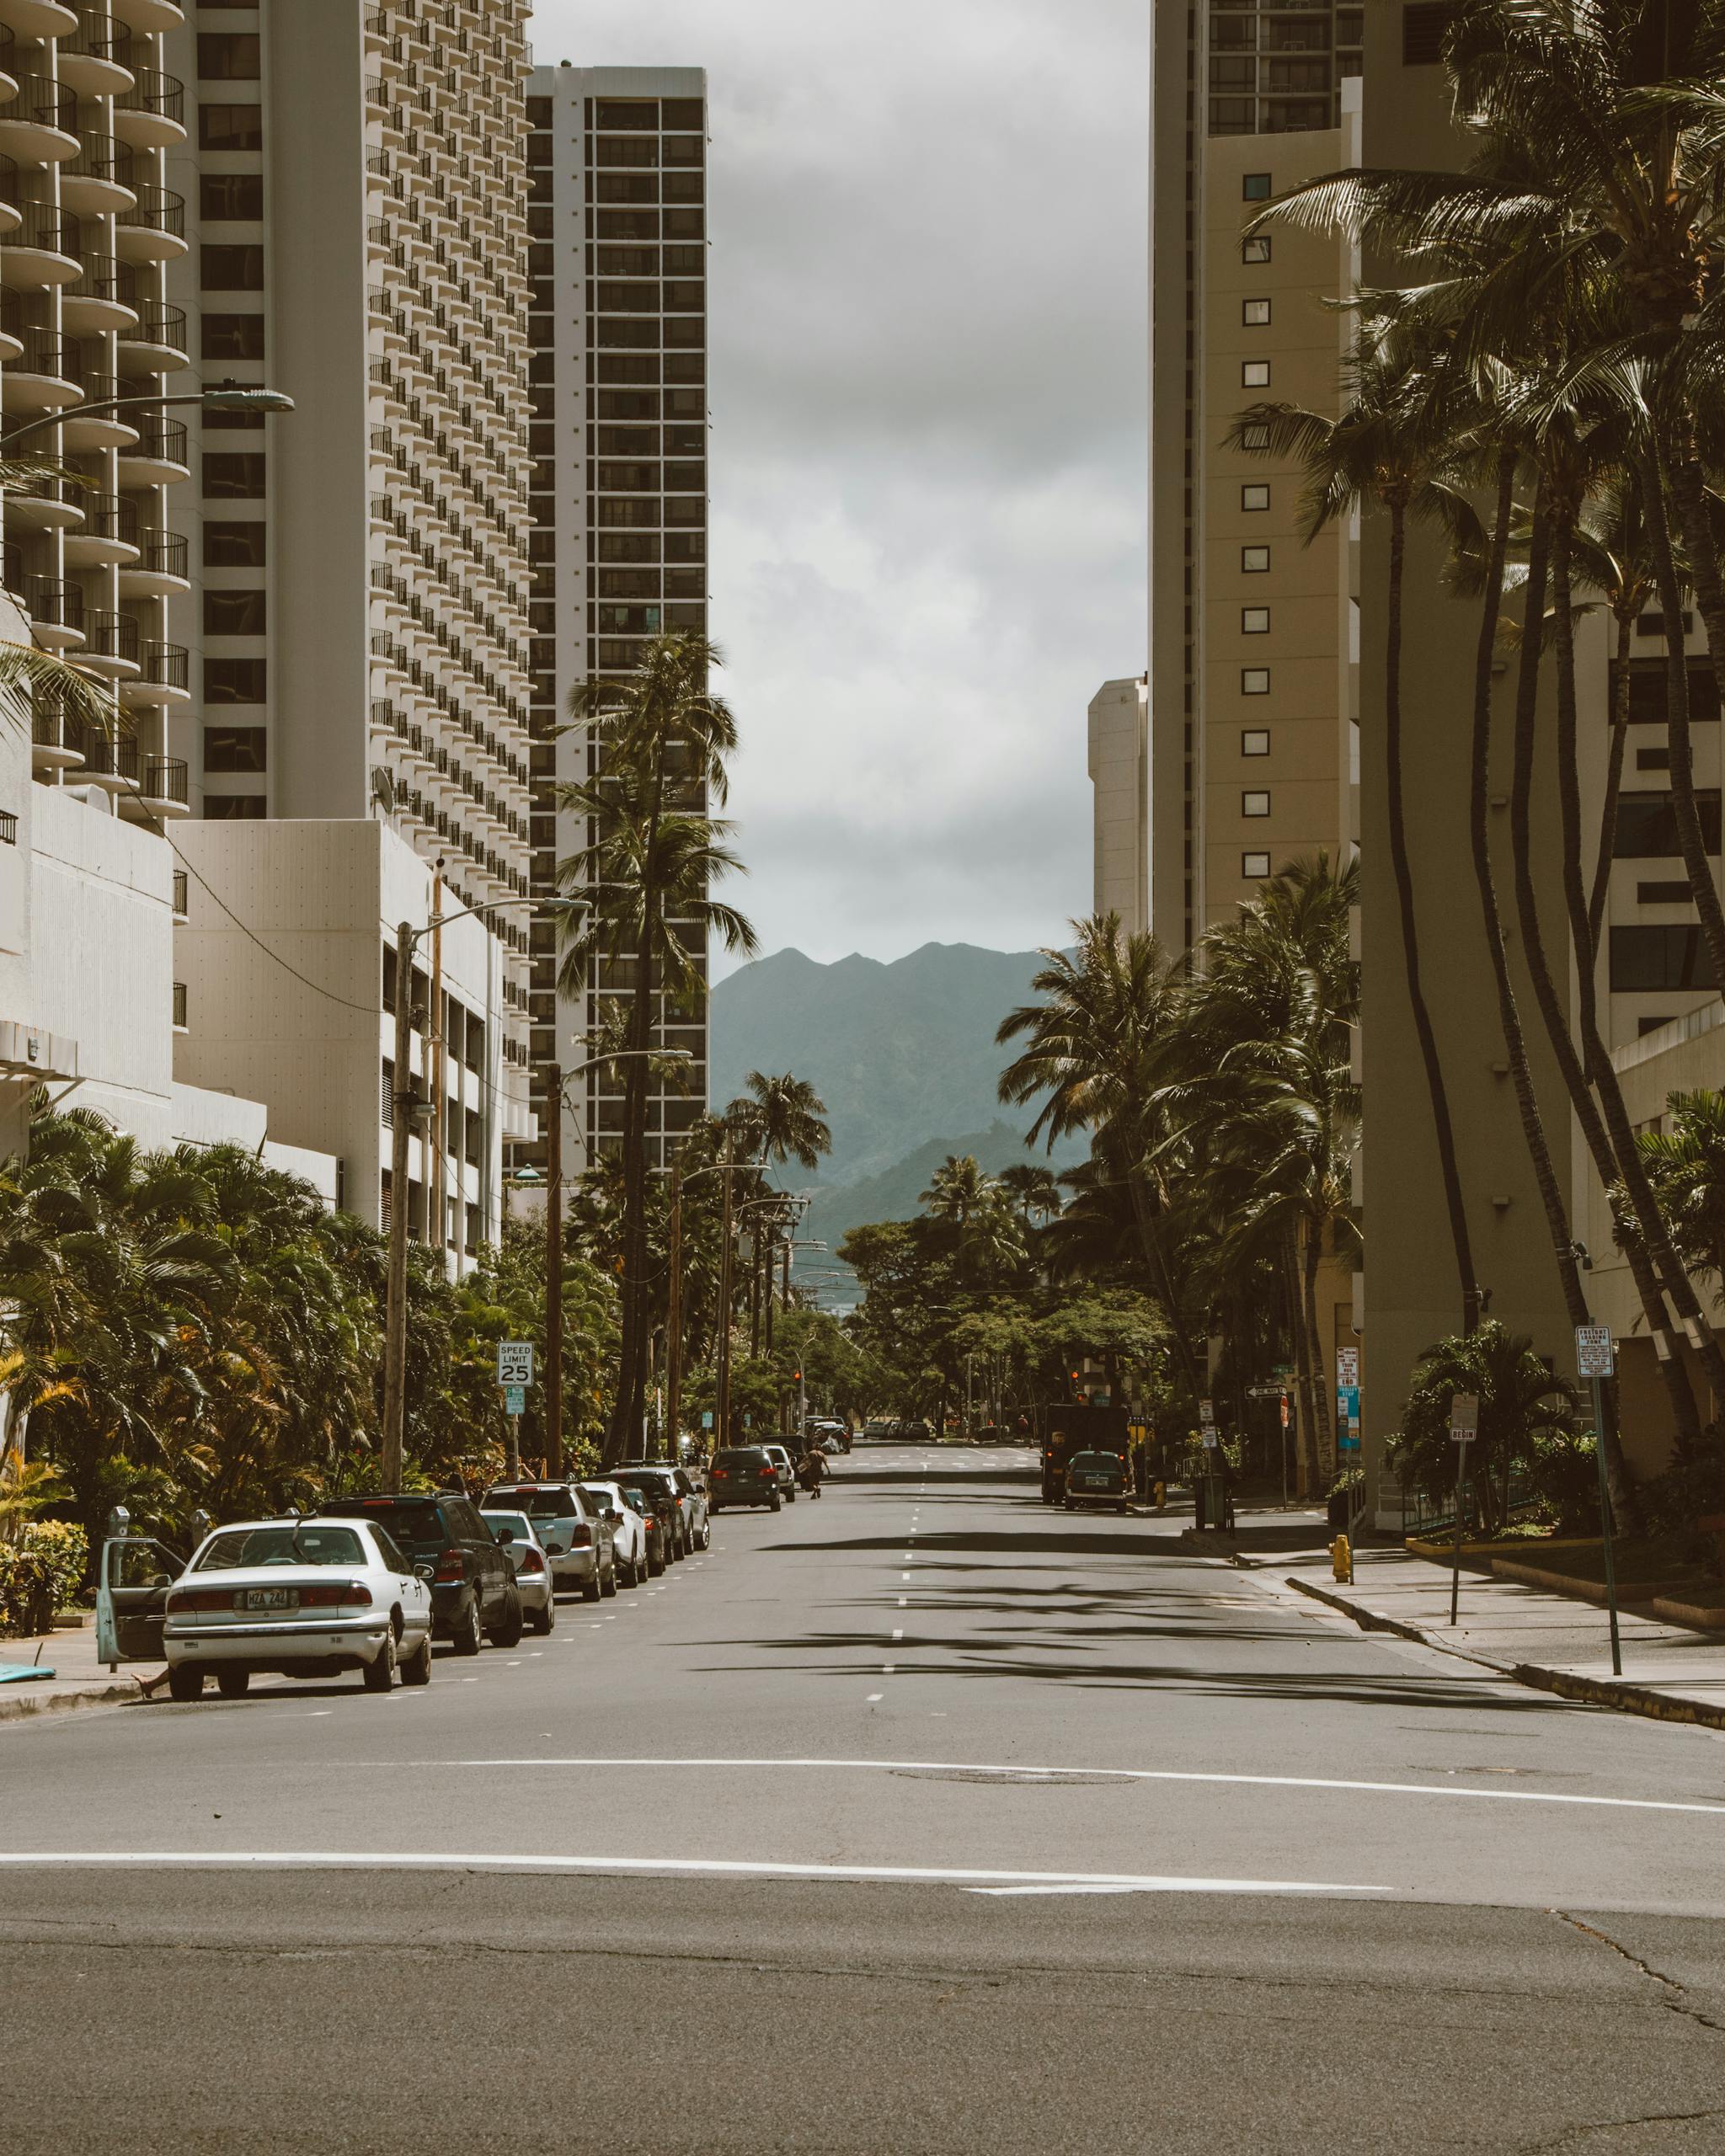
(1119, 741)
(323, 616)
(618, 251)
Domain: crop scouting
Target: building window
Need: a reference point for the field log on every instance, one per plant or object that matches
(1662, 957)
(1254, 621)
(1255, 867)
(234, 807)
(231, 269)
(229, 56)
(1256, 249)
(232, 337)
(1254, 680)
(1422, 28)
(1256, 437)
(1663, 894)
(236, 748)
(1254, 804)
(1255, 741)
(1255, 186)
(1652, 760)
(234, 613)
(236, 197)
(235, 546)
(1257, 495)
(230, 127)
(235, 680)
(1255, 314)
(1643, 1026)
(1254, 560)
(234, 475)
(1646, 825)
(1254, 374)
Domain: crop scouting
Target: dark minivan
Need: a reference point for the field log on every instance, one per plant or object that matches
(1095, 1478)
(742, 1474)
(471, 1575)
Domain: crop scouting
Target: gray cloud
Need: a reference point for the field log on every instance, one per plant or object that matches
(928, 307)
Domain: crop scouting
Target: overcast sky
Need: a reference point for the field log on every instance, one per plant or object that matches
(928, 315)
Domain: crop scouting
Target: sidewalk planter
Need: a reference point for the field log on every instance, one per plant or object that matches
(1580, 1590)
(1701, 1617)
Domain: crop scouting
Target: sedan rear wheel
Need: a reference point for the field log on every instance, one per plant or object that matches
(232, 1684)
(607, 1585)
(508, 1634)
(590, 1589)
(416, 1668)
(655, 1566)
(380, 1670)
(543, 1620)
(467, 1637)
(184, 1681)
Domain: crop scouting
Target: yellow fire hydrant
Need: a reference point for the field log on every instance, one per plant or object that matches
(1342, 1560)
(1161, 1497)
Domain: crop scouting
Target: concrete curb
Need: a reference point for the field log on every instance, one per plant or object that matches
(1592, 1691)
(62, 1701)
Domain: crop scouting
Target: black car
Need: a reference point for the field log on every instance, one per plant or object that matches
(1095, 1478)
(471, 1575)
(743, 1475)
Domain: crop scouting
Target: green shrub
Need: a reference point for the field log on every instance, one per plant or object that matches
(40, 1573)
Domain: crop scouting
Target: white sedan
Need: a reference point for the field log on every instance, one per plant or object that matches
(532, 1564)
(296, 1598)
(631, 1530)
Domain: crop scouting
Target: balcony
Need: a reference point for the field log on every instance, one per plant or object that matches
(39, 377)
(107, 535)
(105, 298)
(96, 57)
(182, 895)
(111, 759)
(153, 230)
(111, 645)
(158, 344)
(164, 790)
(161, 569)
(41, 18)
(39, 127)
(97, 182)
(43, 250)
(8, 62)
(165, 676)
(147, 15)
(159, 456)
(44, 504)
(56, 612)
(152, 113)
(56, 737)
(179, 1008)
(83, 427)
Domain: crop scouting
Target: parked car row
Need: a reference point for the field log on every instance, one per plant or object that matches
(370, 1581)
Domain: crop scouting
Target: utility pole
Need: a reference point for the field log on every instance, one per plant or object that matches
(401, 1109)
(553, 1272)
(722, 1429)
(674, 1315)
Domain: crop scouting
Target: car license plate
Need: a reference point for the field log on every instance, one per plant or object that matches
(272, 1598)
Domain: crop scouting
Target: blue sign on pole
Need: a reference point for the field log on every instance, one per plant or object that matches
(1348, 1418)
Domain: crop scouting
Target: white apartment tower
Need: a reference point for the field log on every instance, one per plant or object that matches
(618, 262)
(324, 617)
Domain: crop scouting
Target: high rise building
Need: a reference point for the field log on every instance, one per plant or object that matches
(1119, 779)
(324, 617)
(1253, 704)
(618, 256)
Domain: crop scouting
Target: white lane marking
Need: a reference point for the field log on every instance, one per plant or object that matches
(319, 1713)
(721, 1867)
(886, 1669)
(904, 1601)
(1019, 1769)
(898, 1634)
(873, 1697)
(904, 1576)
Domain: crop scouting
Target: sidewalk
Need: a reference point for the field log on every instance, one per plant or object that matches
(79, 1680)
(1549, 1641)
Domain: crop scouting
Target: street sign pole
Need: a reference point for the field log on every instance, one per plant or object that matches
(514, 1374)
(1595, 1360)
(1464, 1428)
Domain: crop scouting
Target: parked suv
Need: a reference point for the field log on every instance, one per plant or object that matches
(576, 1534)
(744, 1475)
(473, 1581)
(690, 1531)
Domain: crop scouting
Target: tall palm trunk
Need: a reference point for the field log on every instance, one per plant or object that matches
(1614, 783)
(1551, 543)
(1443, 1128)
(1687, 816)
(1533, 1130)
(1324, 1434)
(1145, 1211)
(1311, 1466)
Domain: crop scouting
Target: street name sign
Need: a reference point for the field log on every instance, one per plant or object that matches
(515, 1362)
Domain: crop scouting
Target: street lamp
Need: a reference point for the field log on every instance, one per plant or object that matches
(222, 397)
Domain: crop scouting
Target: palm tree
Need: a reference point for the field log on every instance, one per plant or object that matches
(1520, 1403)
(1100, 1045)
(1389, 444)
(956, 1190)
(779, 1119)
(1686, 1163)
(645, 874)
(1035, 1191)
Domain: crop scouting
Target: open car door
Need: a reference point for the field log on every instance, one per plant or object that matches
(132, 1598)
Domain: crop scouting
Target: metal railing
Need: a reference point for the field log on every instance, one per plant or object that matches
(98, 37)
(100, 157)
(114, 636)
(160, 322)
(113, 517)
(182, 894)
(46, 352)
(179, 1005)
(164, 554)
(54, 604)
(108, 278)
(168, 665)
(153, 92)
(110, 757)
(163, 440)
(49, 230)
(168, 778)
(9, 827)
(156, 209)
(48, 104)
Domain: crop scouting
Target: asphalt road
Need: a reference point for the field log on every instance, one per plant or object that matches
(919, 1818)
